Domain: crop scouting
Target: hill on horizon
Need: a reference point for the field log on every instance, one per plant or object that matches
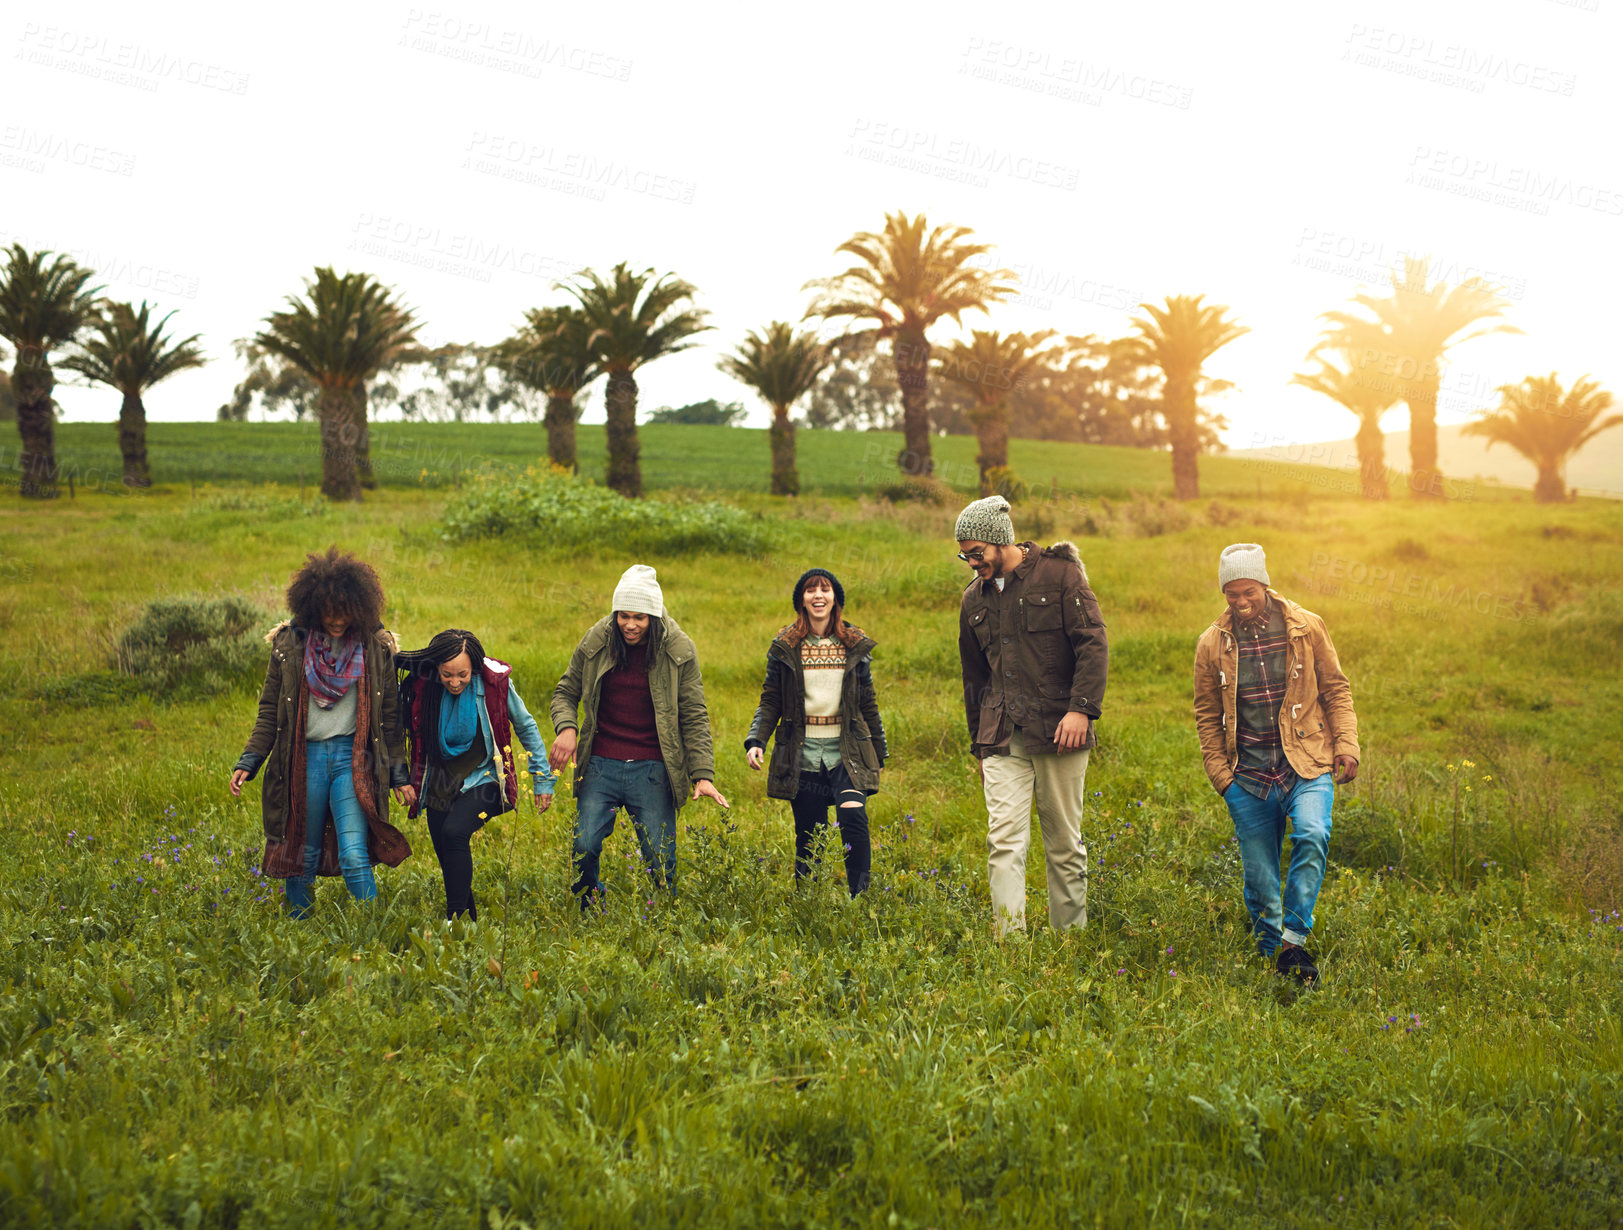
(1597, 470)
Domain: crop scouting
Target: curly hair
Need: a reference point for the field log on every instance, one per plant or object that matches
(336, 584)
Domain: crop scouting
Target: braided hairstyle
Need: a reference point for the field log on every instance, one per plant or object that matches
(424, 663)
(422, 670)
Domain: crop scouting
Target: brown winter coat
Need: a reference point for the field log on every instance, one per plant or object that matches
(1033, 652)
(1316, 718)
(782, 711)
(277, 742)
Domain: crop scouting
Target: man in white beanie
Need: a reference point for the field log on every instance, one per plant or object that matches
(643, 742)
(1277, 730)
(1035, 657)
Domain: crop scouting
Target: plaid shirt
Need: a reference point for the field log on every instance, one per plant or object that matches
(1261, 690)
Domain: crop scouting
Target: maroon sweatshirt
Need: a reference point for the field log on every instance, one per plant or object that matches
(625, 711)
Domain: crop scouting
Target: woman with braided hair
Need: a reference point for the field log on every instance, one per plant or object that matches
(461, 711)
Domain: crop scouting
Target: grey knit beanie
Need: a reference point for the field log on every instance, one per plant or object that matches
(638, 592)
(1243, 561)
(986, 521)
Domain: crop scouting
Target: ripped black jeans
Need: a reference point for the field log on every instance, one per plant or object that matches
(818, 792)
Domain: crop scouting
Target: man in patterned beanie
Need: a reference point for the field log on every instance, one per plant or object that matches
(1035, 658)
(1277, 729)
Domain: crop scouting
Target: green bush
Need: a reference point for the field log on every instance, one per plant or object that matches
(183, 647)
(929, 490)
(573, 511)
(1005, 482)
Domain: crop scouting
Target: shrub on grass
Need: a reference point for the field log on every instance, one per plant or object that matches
(928, 490)
(572, 511)
(192, 646)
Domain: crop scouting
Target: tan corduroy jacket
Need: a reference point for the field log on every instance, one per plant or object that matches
(1316, 718)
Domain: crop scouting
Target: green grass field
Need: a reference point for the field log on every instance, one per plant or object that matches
(177, 1053)
(728, 459)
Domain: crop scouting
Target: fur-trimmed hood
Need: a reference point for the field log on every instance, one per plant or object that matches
(790, 636)
(385, 637)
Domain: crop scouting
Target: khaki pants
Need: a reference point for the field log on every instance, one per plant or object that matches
(1057, 782)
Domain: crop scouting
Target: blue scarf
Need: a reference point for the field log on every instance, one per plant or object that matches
(459, 721)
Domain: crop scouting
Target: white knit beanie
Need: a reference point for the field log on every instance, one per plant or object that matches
(638, 592)
(1243, 561)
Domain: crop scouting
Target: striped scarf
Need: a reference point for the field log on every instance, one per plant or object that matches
(331, 671)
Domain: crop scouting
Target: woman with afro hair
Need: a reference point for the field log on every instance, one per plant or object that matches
(329, 734)
(462, 713)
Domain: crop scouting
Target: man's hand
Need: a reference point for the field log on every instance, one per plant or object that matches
(406, 796)
(756, 757)
(1346, 769)
(1072, 732)
(707, 788)
(542, 802)
(562, 750)
(238, 776)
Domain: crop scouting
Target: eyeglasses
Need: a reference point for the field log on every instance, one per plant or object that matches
(977, 556)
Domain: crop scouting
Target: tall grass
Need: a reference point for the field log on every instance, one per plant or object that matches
(175, 1052)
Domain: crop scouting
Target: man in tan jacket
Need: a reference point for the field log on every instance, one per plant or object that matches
(1277, 730)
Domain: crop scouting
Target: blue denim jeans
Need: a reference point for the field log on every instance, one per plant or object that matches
(1260, 826)
(643, 788)
(329, 784)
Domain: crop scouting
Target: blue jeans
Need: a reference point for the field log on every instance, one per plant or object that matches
(329, 783)
(643, 788)
(1260, 826)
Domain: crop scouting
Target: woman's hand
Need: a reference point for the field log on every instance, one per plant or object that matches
(562, 750)
(542, 802)
(238, 776)
(756, 757)
(406, 796)
(706, 788)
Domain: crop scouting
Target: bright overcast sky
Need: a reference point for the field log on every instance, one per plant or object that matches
(1270, 156)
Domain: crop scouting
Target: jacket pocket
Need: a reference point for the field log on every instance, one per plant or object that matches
(1044, 611)
(978, 625)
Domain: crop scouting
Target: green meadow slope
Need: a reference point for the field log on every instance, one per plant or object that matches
(175, 1052)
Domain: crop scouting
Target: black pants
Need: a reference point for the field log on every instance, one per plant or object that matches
(450, 830)
(817, 793)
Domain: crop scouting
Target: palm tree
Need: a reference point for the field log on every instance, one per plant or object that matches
(552, 352)
(130, 353)
(909, 277)
(1405, 341)
(1546, 425)
(992, 366)
(634, 319)
(1178, 339)
(782, 366)
(1368, 399)
(44, 302)
(345, 330)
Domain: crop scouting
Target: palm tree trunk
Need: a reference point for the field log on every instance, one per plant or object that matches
(625, 467)
(339, 436)
(785, 478)
(912, 355)
(1372, 459)
(363, 441)
(1551, 487)
(1178, 408)
(560, 421)
(32, 382)
(1425, 482)
(992, 430)
(132, 440)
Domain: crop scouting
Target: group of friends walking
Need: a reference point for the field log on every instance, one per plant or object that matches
(346, 718)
